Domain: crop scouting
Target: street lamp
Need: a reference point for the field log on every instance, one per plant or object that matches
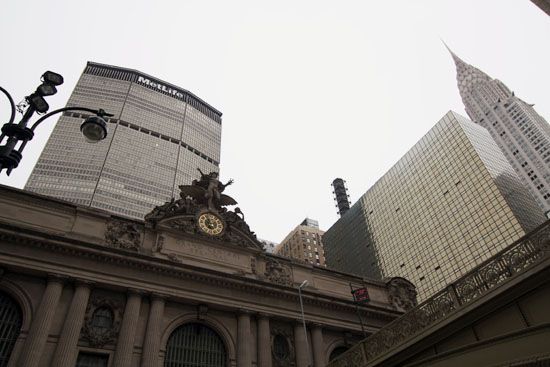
(94, 128)
(304, 284)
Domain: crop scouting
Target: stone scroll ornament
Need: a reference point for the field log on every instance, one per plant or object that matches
(278, 273)
(123, 235)
(402, 293)
(201, 211)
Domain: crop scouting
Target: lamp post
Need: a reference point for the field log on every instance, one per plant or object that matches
(304, 284)
(94, 128)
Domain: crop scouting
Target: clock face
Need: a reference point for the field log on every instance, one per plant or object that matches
(210, 224)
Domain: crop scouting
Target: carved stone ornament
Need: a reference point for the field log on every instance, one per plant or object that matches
(282, 334)
(123, 235)
(173, 257)
(278, 273)
(201, 211)
(159, 244)
(100, 336)
(402, 293)
(253, 265)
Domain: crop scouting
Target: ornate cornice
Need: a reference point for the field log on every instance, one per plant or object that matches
(103, 254)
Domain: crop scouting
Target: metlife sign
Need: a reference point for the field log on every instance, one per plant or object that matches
(161, 87)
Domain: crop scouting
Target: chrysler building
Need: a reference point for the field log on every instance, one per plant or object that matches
(521, 133)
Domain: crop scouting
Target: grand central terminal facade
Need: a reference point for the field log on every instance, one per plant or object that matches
(189, 285)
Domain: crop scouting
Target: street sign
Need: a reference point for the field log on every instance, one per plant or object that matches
(360, 295)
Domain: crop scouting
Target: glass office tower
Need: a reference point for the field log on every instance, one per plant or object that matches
(521, 133)
(158, 137)
(448, 204)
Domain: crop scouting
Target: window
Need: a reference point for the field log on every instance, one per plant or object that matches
(281, 350)
(10, 326)
(195, 344)
(92, 360)
(337, 351)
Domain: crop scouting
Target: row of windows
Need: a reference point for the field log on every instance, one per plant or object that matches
(439, 205)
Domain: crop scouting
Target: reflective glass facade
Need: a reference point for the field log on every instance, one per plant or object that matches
(158, 137)
(448, 204)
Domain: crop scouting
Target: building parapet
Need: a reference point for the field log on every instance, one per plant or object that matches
(506, 265)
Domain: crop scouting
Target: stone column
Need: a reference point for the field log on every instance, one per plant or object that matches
(65, 353)
(301, 347)
(243, 339)
(264, 341)
(317, 346)
(151, 344)
(126, 336)
(40, 327)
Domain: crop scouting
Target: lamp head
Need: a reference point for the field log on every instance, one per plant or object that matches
(46, 89)
(49, 77)
(304, 284)
(94, 129)
(38, 103)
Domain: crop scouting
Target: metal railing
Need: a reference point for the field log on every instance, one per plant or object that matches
(514, 259)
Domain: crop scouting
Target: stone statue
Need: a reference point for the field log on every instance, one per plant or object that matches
(208, 192)
(213, 187)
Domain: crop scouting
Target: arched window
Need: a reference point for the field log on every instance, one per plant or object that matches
(10, 326)
(281, 350)
(195, 344)
(337, 351)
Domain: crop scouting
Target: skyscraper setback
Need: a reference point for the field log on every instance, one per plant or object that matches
(158, 137)
(520, 132)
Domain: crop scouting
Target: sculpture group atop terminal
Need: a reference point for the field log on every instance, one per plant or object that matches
(201, 209)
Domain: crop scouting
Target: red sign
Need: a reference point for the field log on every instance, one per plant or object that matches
(360, 295)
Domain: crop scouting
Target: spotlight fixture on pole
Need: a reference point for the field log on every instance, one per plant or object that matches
(94, 128)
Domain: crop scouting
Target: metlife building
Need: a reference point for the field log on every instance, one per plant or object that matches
(158, 137)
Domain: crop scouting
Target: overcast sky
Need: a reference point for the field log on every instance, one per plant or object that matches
(309, 90)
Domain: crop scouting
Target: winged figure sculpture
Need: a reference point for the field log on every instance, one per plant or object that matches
(208, 190)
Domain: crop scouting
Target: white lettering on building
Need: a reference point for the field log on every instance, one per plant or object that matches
(161, 87)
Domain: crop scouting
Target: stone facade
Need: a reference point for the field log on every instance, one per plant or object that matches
(93, 285)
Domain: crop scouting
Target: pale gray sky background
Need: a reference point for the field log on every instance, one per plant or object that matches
(309, 90)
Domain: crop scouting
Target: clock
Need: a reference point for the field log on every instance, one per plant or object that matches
(211, 224)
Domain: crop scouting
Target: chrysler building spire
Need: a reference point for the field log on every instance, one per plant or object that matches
(467, 78)
(521, 133)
